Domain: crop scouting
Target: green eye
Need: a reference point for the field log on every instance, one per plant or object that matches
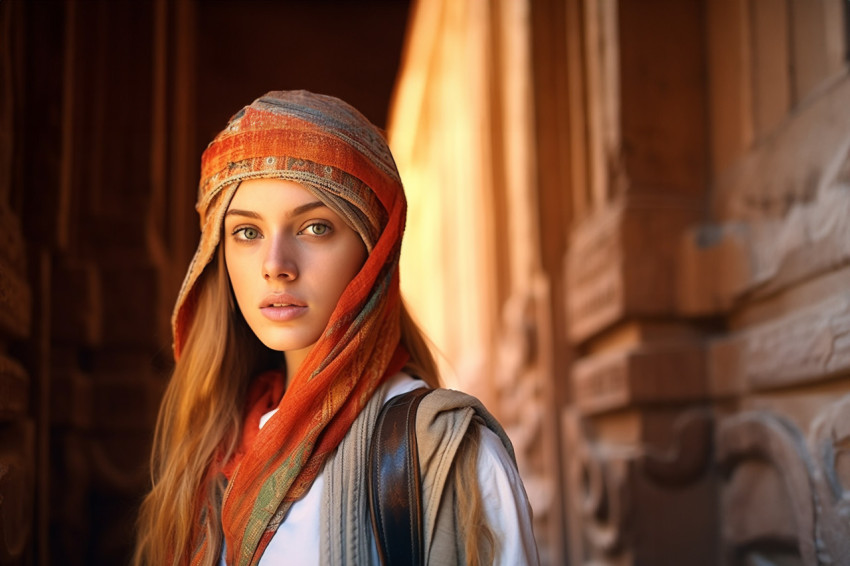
(318, 229)
(248, 233)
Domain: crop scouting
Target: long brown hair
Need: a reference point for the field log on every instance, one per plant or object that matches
(200, 414)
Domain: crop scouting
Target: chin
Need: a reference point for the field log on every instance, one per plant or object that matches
(290, 343)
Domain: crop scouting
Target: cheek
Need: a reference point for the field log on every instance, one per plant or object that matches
(235, 272)
(346, 269)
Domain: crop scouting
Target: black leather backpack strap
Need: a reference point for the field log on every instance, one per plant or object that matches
(395, 493)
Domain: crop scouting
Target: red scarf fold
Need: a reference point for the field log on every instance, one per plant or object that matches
(264, 394)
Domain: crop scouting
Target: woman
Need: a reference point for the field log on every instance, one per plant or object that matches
(259, 457)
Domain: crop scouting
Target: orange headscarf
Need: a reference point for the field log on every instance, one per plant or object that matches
(335, 152)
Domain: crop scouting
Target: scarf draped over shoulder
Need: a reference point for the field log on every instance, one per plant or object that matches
(338, 155)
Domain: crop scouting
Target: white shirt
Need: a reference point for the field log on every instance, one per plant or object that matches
(506, 507)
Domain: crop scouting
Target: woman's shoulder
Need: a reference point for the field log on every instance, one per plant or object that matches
(444, 418)
(399, 384)
(439, 400)
(445, 415)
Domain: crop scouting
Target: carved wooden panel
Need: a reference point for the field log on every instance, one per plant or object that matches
(721, 264)
(524, 406)
(803, 477)
(642, 375)
(808, 156)
(636, 497)
(621, 261)
(806, 345)
(782, 214)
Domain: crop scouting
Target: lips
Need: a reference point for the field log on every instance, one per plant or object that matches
(281, 307)
(281, 300)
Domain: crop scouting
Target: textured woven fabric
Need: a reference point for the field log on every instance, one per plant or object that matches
(442, 421)
(335, 152)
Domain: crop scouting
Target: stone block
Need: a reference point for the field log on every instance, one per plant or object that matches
(644, 375)
(785, 491)
(595, 285)
(714, 268)
(804, 345)
(722, 265)
(621, 263)
(671, 532)
(755, 506)
(633, 500)
(802, 159)
(725, 361)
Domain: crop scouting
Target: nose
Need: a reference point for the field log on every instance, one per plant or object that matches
(280, 261)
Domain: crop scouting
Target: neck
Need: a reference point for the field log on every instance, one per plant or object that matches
(294, 359)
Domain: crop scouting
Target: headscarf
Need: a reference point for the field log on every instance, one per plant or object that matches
(338, 155)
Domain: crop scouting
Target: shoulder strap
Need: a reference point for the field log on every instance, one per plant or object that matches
(394, 484)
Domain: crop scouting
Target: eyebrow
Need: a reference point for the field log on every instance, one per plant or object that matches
(295, 211)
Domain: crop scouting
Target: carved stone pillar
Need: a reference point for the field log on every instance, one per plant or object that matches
(638, 437)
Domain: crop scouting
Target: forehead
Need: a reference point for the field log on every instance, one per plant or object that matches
(269, 194)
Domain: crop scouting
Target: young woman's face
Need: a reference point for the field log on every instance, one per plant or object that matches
(289, 258)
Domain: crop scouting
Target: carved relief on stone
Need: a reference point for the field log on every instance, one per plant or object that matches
(782, 215)
(594, 281)
(805, 156)
(522, 379)
(647, 501)
(807, 345)
(786, 496)
(726, 262)
(646, 374)
(687, 457)
(601, 499)
(620, 261)
(829, 444)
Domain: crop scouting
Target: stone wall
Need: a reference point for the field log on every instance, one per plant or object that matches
(708, 283)
(634, 215)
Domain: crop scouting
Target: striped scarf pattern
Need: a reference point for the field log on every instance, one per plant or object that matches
(344, 160)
